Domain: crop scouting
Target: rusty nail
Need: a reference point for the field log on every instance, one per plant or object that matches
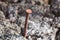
(28, 11)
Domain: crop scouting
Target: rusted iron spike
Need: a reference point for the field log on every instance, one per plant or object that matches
(28, 11)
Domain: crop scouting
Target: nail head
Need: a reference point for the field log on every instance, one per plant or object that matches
(29, 11)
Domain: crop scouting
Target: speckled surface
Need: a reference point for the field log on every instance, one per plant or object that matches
(43, 23)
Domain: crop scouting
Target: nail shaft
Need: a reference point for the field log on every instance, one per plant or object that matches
(26, 25)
